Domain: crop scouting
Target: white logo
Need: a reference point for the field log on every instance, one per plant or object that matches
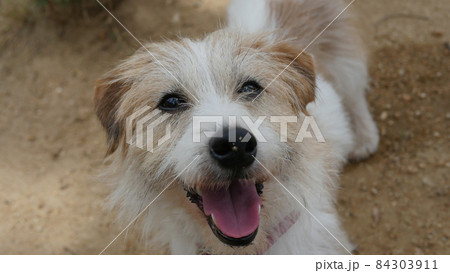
(140, 127)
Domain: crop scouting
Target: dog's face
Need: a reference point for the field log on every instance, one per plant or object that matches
(226, 76)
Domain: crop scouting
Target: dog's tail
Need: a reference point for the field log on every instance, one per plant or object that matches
(322, 26)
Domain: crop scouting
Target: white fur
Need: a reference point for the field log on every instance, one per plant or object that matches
(339, 107)
(332, 118)
(248, 15)
(350, 76)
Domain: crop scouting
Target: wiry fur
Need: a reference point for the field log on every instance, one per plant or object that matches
(262, 38)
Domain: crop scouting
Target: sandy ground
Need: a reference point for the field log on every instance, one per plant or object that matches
(51, 145)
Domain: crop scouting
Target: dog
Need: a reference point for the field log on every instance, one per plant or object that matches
(220, 195)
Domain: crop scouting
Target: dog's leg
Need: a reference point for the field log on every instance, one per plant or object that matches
(366, 132)
(351, 80)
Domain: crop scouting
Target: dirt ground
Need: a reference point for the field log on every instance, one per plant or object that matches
(52, 146)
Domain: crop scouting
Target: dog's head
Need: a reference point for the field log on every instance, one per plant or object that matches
(216, 97)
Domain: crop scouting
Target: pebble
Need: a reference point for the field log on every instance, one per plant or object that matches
(406, 97)
(411, 170)
(374, 191)
(384, 115)
(31, 138)
(83, 114)
(176, 18)
(426, 181)
(436, 34)
(376, 215)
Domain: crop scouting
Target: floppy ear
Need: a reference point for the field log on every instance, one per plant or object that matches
(107, 98)
(300, 74)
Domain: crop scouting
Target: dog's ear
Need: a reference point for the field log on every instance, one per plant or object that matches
(299, 72)
(108, 94)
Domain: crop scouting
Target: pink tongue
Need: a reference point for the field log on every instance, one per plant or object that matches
(236, 209)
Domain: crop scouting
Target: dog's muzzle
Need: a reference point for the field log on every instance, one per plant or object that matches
(232, 211)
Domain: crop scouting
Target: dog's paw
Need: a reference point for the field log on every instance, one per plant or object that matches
(365, 145)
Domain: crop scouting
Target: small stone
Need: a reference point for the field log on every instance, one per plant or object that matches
(418, 251)
(31, 138)
(376, 215)
(406, 97)
(436, 34)
(426, 181)
(57, 153)
(411, 170)
(423, 95)
(384, 115)
(83, 114)
(374, 191)
(176, 18)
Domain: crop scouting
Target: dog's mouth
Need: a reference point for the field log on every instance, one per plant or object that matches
(232, 212)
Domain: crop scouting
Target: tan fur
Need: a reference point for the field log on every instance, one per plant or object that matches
(215, 67)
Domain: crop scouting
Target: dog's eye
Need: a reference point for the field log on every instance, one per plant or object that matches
(172, 102)
(250, 88)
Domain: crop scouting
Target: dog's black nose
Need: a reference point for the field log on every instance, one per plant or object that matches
(234, 152)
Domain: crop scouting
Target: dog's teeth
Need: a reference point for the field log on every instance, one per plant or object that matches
(213, 219)
(259, 209)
